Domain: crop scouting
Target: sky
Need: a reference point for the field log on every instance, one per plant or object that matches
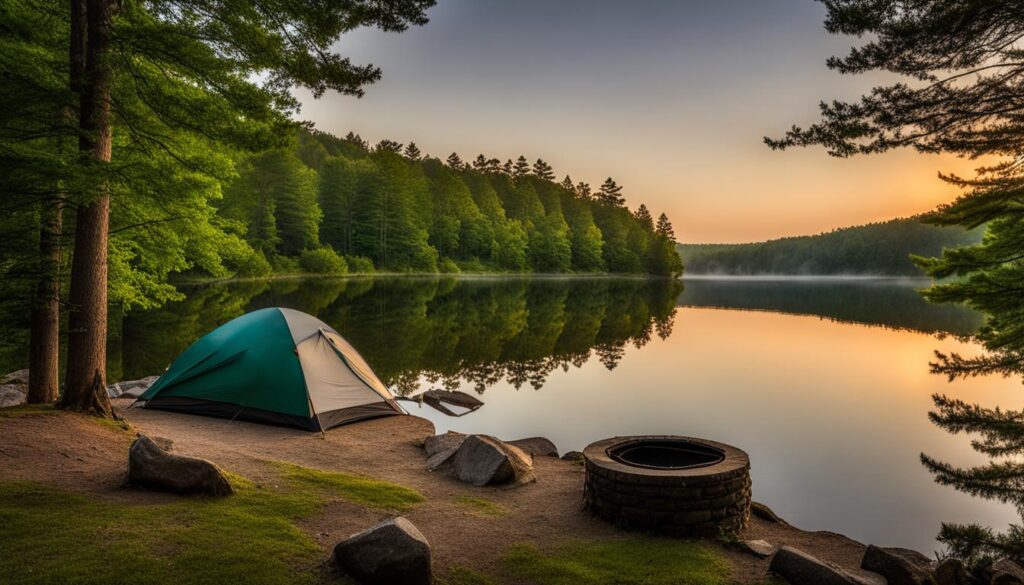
(671, 98)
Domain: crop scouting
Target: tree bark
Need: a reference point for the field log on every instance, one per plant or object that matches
(44, 331)
(85, 382)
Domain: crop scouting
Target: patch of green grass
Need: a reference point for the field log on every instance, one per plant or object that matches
(628, 561)
(358, 489)
(482, 506)
(459, 575)
(27, 409)
(52, 536)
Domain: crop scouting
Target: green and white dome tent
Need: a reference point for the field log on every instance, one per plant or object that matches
(276, 366)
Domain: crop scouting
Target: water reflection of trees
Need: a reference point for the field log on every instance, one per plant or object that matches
(445, 331)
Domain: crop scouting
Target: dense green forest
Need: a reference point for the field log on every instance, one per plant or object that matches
(884, 248)
(439, 330)
(332, 205)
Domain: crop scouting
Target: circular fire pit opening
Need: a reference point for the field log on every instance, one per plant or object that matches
(675, 485)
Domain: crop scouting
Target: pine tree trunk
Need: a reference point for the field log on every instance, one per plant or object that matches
(44, 332)
(84, 387)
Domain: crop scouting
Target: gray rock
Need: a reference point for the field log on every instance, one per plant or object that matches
(392, 552)
(950, 572)
(15, 377)
(761, 549)
(765, 513)
(900, 566)
(1007, 572)
(574, 457)
(536, 446)
(800, 568)
(482, 460)
(131, 388)
(152, 467)
(440, 443)
(12, 394)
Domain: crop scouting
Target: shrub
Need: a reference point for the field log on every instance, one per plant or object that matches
(359, 264)
(253, 265)
(285, 265)
(322, 261)
(448, 266)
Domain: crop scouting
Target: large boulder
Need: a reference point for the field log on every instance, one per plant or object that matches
(19, 377)
(481, 460)
(900, 566)
(153, 467)
(950, 572)
(131, 388)
(536, 446)
(13, 388)
(1007, 572)
(800, 568)
(12, 395)
(393, 552)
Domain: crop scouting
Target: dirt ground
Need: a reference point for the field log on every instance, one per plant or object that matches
(80, 455)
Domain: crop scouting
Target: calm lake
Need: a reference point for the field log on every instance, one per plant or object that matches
(824, 382)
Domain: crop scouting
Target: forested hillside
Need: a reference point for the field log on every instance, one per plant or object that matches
(883, 248)
(330, 205)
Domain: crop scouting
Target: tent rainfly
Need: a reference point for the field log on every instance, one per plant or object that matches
(275, 366)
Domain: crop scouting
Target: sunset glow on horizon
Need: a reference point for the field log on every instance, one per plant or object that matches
(671, 100)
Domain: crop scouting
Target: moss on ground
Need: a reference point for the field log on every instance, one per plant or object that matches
(28, 409)
(357, 489)
(482, 506)
(54, 536)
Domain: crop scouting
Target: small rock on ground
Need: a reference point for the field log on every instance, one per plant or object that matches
(153, 467)
(393, 552)
(761, 549)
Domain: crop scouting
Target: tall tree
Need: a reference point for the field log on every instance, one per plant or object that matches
(507, 168)
(542, 170)
(967, 85)
(412, 152)
(521, 168)
(480, 163)
(610, 194)
(455, 162)
(389, 146)
(568, 185)
(664, 228)
(644, 217)
(218, 51)
(583, 191)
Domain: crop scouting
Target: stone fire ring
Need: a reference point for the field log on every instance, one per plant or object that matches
(708, 499)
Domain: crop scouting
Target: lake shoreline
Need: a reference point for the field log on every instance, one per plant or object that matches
(464, 539)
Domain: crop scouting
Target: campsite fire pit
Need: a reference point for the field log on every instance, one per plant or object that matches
(675, 485)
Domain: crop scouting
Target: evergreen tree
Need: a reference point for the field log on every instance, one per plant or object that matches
(965, 60)
(412, 152)
(388, 146)
(455, 163)
(610, 194)
(521, 168)
(480, 163)
(357, 141)
(542, 171)
(493, 166)
(568, 185)
(507, 168)
(664, 228)
(583, 191)
(644, 217)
